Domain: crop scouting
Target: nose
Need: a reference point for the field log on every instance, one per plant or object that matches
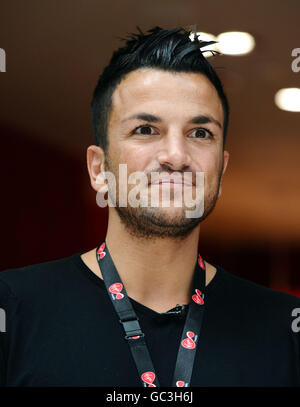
(174, 152)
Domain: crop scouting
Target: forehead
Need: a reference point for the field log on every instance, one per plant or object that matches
(168, 94)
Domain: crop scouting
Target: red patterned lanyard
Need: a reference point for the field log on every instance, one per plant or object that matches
(134, 335)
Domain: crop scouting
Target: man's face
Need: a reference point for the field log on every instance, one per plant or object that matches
(171, 142)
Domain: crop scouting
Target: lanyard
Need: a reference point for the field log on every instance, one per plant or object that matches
(134, 335)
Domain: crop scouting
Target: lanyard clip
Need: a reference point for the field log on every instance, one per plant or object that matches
(132, 328)
(178, 310)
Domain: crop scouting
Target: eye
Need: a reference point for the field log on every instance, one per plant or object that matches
(145, 130)
(202, 133)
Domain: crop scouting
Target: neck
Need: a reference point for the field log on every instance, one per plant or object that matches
(155, 272)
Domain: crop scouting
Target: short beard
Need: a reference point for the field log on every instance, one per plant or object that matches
(149, 223)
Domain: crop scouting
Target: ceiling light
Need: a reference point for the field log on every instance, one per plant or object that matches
(288, 99)
(235, 43)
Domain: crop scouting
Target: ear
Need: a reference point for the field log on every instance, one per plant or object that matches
(225, 162)
(95, 158)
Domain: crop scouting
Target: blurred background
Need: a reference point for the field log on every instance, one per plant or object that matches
(55, 51)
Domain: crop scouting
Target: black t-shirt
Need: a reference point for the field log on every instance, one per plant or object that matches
(62, 330)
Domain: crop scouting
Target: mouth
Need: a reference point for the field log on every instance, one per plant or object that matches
(172, 182)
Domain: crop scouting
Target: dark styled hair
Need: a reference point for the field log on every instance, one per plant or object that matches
(169, 50)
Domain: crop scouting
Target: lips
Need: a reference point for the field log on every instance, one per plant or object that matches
(178, 181)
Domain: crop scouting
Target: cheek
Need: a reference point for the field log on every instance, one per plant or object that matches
(210, 164)
(208, 160)
(135, 157)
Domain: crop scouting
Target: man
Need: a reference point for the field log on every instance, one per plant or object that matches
(143, 308)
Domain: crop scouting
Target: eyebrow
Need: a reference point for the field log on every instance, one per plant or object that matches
(147, 117)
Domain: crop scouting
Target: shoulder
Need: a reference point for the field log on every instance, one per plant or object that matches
(34, 278)
(246, 297)
(239, 286)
